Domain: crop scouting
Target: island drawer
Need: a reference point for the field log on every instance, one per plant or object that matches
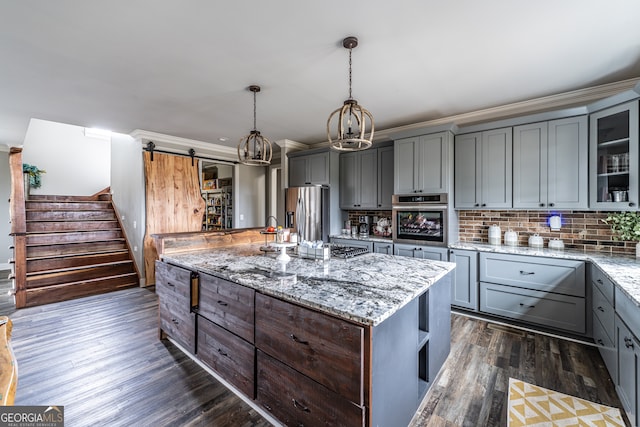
(544, 274)
(542, 308)
(603, 311)
(602, 282)
(227, 304)
(230, 356)
(324, 348)
(178, 322)
(296, 400)
(173, 282)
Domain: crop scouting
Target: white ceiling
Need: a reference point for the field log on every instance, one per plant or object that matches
(182, 67)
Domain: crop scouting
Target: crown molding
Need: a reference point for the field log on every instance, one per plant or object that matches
(580, 97)
(179, 144)
(4, 148)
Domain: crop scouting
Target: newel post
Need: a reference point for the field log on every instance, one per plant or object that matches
(18, 220)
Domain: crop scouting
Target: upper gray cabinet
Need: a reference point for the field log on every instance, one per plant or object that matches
(421, 164)
(550, 164)
(614, 158)
(366, 179)
(309, 169)
(483, 165)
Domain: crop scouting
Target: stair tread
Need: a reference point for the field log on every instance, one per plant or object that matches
(74, 255)
(97, 279)
(54, 272)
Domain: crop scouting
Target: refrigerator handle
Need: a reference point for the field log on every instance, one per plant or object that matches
(301, 216)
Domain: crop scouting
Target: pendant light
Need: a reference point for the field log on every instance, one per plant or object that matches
(254, 149)
(352, 118)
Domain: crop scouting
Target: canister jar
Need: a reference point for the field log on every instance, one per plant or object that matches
(510, 238)
(495, 234)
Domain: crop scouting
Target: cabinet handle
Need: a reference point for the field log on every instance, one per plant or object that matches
(600, 308)
(300, 405)
(551, 204)
(379, 205)
(600, 342)
(175, 321)
(171, 284)
(628, 342)
(298, 340)
(484, 204)
(541, 205)
(527, 273)
(600, 282)
(307, 183)
(267, 407)
(528, 306)
(476, 205)
(222, 352)
(222, 303)
(631, 204)
(418, 249)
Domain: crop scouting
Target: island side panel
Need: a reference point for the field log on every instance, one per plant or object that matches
(439, 324)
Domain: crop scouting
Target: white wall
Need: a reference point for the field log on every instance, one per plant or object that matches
(128, 191)
(249, 190)
(5, 193)
(75, 165)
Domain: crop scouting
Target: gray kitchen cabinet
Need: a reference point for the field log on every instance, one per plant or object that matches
(603, 313)
(309, 169)
(613, 163)
(385, 177)
(464, 290)
(550, 164)
(421, 164)
(420, 251)
(359, 180)
(548, 292)
(383, 248)
(483, 170)
(627, 381)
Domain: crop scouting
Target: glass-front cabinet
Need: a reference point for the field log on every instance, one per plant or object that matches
(614, 158)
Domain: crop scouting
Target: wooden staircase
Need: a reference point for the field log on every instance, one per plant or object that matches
(75, 247)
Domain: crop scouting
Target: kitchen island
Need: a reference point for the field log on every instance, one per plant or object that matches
(339, 342)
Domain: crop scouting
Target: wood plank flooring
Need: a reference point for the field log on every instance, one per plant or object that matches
(101, 358)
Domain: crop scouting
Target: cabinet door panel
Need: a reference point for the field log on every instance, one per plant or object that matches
(349, 181)
(319, 169)
(434, 164)
(321, 347)
(530, 166)
(228, 304)
(464, 292)
(606, 347)
(603, 311)
(542, 308)
(298, 172)
(497, 165)
(567, 164)
(385, 177)
(628, 360)
(383, 248)
(231, 357)
(368, 178)
(405, 154)
(467, 166)
(297, 400)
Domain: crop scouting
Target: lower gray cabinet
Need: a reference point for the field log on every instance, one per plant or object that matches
(628, 378)
(422, 252)
(464, 289)
(383, 248)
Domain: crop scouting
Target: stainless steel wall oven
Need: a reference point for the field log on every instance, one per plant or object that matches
(420, 219)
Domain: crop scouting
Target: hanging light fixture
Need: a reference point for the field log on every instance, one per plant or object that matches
(254, 149)
(352, 118)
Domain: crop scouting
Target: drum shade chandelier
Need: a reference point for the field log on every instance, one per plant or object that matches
(352, 118)
(254, 149)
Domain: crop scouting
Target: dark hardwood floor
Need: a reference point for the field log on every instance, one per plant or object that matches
(101, 358)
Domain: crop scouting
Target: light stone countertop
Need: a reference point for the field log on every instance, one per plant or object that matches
(366, 289)
(624, 271)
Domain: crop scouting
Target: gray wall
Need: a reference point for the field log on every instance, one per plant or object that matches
(5, 193)
(249, 193)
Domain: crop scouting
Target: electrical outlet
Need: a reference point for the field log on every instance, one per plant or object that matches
(134, 224)
(135, 249)
(122, 218)
(241, 217)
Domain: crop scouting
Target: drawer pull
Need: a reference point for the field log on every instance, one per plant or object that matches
(628, 342)
(300, 406)
(222, 352)
(298, 340)
(600, 342)
(267, 407)
(175, 321)
(171, 284)
(526, 273)
(600, 308)
(222, 303)
(528, 306)
(600, 281)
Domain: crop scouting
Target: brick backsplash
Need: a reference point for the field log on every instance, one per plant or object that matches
(580, 230)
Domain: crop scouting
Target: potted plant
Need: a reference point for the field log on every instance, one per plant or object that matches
(626, 227)
(32, 178)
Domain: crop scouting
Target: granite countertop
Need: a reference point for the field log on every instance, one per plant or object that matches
(370, 238)
(366, 289)
(624, 271)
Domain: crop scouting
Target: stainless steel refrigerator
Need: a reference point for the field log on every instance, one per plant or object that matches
(306, 212)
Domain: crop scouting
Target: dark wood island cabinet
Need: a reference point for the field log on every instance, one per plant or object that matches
(346, 344)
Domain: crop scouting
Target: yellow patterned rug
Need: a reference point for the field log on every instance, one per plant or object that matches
(530, 405)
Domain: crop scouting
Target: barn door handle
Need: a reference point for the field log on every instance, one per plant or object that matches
(526, 273)
(222, 303)
(528, 306)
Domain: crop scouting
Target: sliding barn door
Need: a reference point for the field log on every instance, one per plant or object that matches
(173, 201)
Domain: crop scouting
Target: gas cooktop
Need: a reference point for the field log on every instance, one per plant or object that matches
(345, 252)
